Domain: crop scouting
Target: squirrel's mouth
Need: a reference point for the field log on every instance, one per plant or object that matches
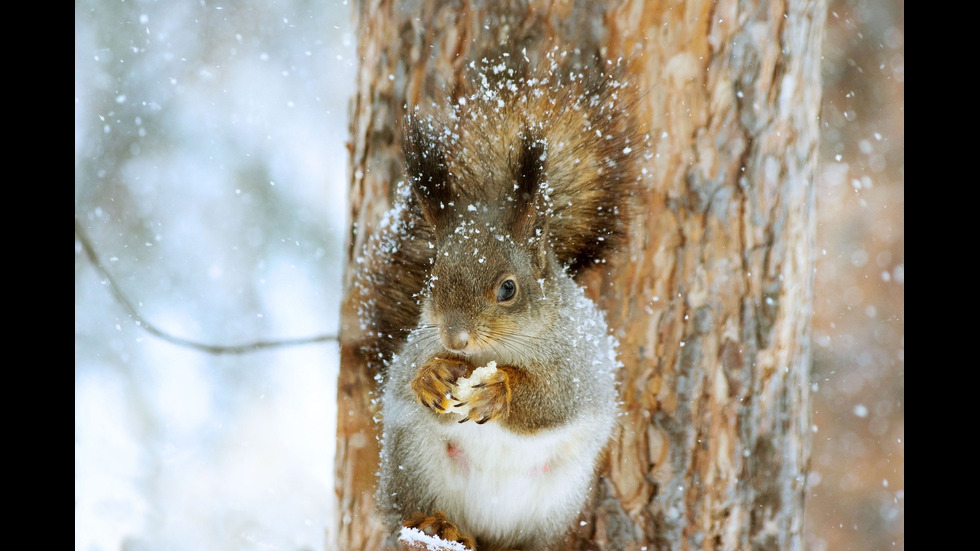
(465, 343)
(471, 350)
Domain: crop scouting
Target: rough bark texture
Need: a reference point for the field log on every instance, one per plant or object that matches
(712, 298)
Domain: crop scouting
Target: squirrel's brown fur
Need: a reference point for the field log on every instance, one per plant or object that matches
(584, 142)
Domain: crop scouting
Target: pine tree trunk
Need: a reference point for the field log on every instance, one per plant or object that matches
(712, 299)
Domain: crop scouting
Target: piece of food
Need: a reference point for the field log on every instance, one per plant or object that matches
(464, 387)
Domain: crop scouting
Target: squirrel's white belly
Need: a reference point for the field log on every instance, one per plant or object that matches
(495, 480)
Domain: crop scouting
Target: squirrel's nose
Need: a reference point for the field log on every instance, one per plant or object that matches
(456, 340)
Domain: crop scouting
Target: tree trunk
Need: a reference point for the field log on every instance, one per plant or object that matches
(711, 300)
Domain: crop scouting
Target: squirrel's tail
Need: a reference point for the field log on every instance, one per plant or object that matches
(584, 124)
(581, 128)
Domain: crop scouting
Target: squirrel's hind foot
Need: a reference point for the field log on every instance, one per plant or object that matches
(438, 525)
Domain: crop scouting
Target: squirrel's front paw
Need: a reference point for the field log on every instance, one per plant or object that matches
(490, 399)
(433, 385)
(438, 525)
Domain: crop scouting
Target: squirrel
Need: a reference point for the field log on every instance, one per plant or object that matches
(499, 403)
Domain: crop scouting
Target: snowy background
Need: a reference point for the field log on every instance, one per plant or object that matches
(210, 175)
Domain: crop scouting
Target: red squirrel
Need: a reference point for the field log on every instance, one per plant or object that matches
(499, 403)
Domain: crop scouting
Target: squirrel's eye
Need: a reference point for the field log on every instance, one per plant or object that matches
(506, 291)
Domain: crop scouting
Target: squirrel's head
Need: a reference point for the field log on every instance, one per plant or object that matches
(492, 284)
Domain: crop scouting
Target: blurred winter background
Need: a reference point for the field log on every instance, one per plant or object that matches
(210, 169)
(210, 175)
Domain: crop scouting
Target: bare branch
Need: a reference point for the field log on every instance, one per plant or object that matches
(154, 330)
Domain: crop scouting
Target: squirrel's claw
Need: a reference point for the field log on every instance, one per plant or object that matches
(433, 384)
(438, 525)
(490, 399)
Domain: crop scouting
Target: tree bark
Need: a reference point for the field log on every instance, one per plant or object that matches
(711, 299)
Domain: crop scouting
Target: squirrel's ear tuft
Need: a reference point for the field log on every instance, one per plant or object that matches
(425, 167)
(530, 208)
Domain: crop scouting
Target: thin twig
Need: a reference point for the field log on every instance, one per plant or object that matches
(154, 330)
